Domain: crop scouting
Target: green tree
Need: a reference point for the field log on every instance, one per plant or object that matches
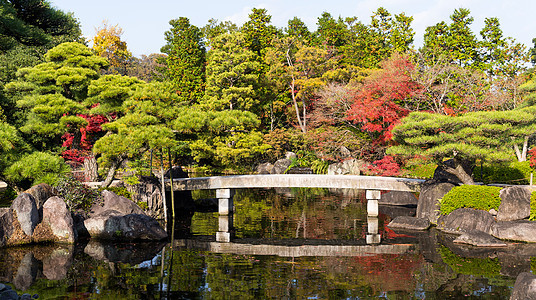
(214, 29)
(396, 33)
(52, 93)
(456, 41)
(186, 59)
(232, 75)
(331, 32)
(488, 136)
(296, 28)
(258, 33)
(146, 124)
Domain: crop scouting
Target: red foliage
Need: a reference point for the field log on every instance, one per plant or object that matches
(385, 99)
(386, 166)
(89, 135)
(532, 157)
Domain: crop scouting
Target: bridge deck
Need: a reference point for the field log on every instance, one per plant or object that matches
(298, 180)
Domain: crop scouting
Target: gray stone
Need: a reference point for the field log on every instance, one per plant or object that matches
(522, 230)
(428, 203)
(492, 212)
(281, 166)
(398, 198)
(118, 203)
(148, 190)
(6, 225)
(347, 167)
(58, 217)
(463, 220)
(409, 223)
(9, 295)
(112, 225)
(41, 193)
(300, 170)
(291, 155)
(515, 204)
(265, 168)
(525, 287)
(26, 211)
(479, 239)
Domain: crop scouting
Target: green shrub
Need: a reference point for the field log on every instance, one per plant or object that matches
(120, 191)
(511, 173)
(78, 196)
(471, 196)
(532, 216)
(419, 168)
(35, 168)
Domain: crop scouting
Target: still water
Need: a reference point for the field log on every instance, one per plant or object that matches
(286, 244)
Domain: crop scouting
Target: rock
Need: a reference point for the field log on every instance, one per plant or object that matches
(9, 295)
(515, 204)
(58, 217)
(522, 230)
(27, 272)
(525, 287)
(6, 225)
(176, 172)
(41, 193)
(265, 168)
(112, 225)
(492, 212)
(148, 190)
(440, 175)
(347, 167)
(479, 239)
(291, 155)
(26, 211)
(398, 198)
(118, 203)
(281, 166)
(428, 203)
(463, 220)
(409, 223)
(300, 170)
(58, 263)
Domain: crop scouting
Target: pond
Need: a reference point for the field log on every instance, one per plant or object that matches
(286, 244)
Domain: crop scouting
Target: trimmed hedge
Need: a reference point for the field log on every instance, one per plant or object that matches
(510, 173)
(471, 196)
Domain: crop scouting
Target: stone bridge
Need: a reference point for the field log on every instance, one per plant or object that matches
(225, 186)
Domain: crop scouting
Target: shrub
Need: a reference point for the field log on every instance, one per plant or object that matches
(35, 168)
(471, 196)
(532, 216)
(419, 168)
(78, 196)
(386, 166)
(511, 173)
(120, 191)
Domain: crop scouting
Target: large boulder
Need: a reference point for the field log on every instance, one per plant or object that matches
(409, 223)
(525, 287)
(463, 220)
(521, 230)
(112, 201)
(398, 198)
(515, 204)
(265, 168)
(148, 190)
(428, 204)
(6, 225)
(57, 264)
(347, 167)
(26, 211)
(57, 216)
(281, 166)
(112, 225)
(41, 193)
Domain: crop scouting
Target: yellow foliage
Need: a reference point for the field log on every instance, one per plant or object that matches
(107, 43)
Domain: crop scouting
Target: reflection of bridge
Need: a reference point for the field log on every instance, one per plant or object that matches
(295, 251)
(225, 185)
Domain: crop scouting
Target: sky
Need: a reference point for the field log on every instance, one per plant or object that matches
(144, 22)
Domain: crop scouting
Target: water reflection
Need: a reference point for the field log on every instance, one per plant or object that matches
(303, 245)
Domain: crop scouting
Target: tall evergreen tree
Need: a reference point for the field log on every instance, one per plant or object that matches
(186, 59)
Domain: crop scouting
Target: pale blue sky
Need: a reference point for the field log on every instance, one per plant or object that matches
(144, 22)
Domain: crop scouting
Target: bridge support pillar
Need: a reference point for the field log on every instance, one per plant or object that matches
(372, 202)
(373, 237)
(225, 229)
(225, 201)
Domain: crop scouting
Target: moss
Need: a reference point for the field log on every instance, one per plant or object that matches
(487, 267)
(471, 196)
(532, 216)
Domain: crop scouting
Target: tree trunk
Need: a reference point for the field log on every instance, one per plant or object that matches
(460, 173)
(90, 169)
(111, 172)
